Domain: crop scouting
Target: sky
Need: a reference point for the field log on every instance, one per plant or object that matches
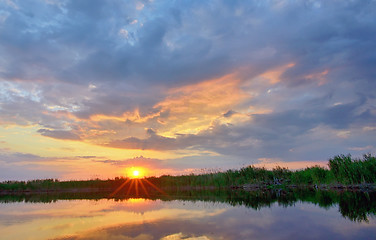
(89, 89)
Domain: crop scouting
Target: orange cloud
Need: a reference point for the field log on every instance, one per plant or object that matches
(318, 76)
(188, 109)
(133, 116)
(192, 108)
(274, 75)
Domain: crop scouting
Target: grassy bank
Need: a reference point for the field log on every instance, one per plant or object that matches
(342, 169)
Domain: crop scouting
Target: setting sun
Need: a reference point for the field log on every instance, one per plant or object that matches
(136, 173)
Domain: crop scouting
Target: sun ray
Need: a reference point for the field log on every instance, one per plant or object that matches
(119, 188)
(130, 187)
(136, 186)
(133, 185)
(155, 187)
(143, 187)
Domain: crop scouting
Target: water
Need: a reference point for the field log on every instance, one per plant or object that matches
(191, 215)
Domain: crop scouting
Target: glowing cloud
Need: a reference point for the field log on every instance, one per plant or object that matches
(274, 75)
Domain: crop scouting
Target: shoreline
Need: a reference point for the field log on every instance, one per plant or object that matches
(366, 187)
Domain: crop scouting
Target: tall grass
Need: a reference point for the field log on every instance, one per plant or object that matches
(349, 171)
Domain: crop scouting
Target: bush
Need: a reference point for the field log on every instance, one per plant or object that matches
(349, 171)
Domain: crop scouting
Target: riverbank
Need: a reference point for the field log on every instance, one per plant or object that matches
(343, 172)
(365, 187)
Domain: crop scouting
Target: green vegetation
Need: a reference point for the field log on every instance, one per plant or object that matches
(349, 171)
(54, 184)
(342, 170)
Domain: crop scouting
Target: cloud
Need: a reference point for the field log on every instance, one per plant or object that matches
(136, 161)
(64, 135)
(153, 142)
(229, 113)
(362, 149)
(6, 155)
(246, 80)
(83, 41)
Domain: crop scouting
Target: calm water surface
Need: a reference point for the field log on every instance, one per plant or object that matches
(143, 219)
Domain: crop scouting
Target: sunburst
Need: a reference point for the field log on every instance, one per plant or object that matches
(136, 180)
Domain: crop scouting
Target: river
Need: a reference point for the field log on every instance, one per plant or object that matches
(214, 215)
